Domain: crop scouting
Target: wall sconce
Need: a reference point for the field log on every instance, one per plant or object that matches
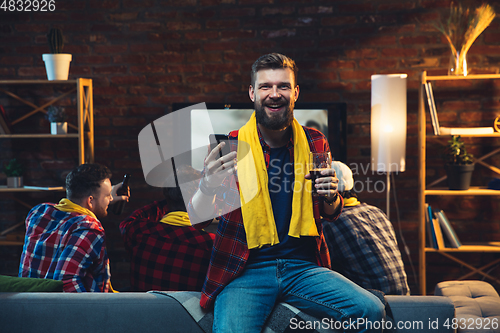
(388, 125)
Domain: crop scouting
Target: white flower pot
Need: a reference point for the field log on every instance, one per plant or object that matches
(59, 128)
(15, 182)
(57, 65)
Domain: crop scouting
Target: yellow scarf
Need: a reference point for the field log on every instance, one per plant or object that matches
(351, 202)
(111, 288)
(256, 208)
(180, 219)
(66, 205)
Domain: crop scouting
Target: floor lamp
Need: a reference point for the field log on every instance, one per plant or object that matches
(388, 125)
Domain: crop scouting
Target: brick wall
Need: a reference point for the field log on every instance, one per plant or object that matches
(145, 55)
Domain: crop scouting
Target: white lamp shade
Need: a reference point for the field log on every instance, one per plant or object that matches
(388, 122)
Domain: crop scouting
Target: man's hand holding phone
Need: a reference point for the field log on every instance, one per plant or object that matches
(218, 166)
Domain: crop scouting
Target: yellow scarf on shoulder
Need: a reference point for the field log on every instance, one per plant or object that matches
(66, 205)
(353, 201)
(256, 209)
(180, 219)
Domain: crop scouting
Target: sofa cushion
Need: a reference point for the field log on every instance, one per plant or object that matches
(404, 314)
(283, 318)
(93, 312)
(22, 284)
(160, 312)
(477, 305)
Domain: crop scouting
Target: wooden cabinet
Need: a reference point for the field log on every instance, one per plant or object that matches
(426, 190)
(84, 136)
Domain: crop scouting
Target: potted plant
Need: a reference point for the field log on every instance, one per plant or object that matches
(14, 171)
(459, 164)
(57, 117)
(56, 62)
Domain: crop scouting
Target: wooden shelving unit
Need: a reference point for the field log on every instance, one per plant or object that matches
(85, 113)
(429, 189)
(82, 87)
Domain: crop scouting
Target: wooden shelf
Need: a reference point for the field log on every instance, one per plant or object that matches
(39, 136)
(81, 88)
(425, 189)
(431, 136)
(23, 189)
(470, 191)
(22, 82)
(459, 77)
(486, 247)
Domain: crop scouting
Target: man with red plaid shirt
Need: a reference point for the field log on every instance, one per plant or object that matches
(66, 241)
(166, 252)
(269, 245)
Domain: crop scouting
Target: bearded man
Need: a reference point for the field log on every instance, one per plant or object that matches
(272, 249)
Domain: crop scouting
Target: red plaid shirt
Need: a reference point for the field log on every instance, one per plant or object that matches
(65, 246)
(231, 252)
(165, 257)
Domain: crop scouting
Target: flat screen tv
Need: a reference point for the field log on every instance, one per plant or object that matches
(219, 118)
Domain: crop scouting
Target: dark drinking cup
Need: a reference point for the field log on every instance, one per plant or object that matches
(317, 163)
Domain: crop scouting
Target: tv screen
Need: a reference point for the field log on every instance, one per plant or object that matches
(329, 118)
(181, 137)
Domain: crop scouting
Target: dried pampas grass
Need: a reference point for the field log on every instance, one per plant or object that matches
(463, 26)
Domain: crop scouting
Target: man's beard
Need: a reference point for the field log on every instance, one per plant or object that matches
(101, 213)
(276, 121)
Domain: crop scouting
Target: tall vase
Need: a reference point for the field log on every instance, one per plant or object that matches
(458, 64)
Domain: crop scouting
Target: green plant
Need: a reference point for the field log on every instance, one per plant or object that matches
(13, 169)
(56, 114)
(56, 40)
(455, 152)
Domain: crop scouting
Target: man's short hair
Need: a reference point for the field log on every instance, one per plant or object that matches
(348, 194)
(274, 61)
(84, 180)
(175, 201)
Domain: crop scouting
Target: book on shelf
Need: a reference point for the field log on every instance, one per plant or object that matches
(465, 130)
(440, 130)
(432, 108)
(438, 233)
(430, 227)
(448, 229)
(4, 122)
(434, 231)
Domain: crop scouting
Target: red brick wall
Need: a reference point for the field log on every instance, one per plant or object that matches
(145, 55)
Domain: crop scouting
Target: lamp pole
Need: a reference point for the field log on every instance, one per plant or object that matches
(388, 126)
(388, 197)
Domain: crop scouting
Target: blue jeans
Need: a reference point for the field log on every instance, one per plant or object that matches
(247, 301)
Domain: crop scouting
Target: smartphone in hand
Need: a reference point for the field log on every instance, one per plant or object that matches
(216, 139)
